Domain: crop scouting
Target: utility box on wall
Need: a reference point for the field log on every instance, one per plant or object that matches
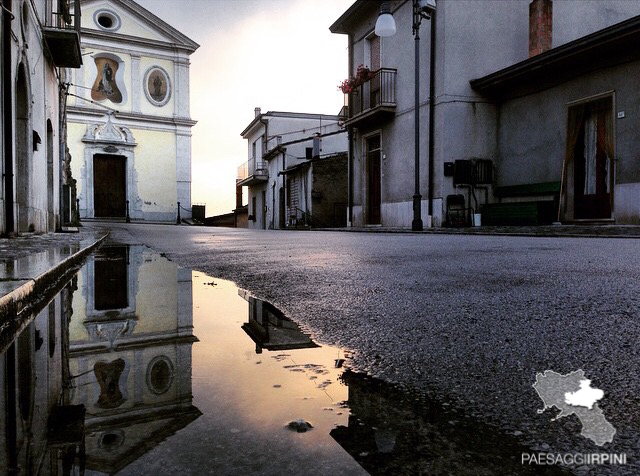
(483, 172)
(472, 172)
(463, 172)
(449, 168)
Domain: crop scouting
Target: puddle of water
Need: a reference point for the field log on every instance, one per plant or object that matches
(16, 272)
(173, 372)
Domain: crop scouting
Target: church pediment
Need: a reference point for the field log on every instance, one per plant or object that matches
(126, 19)
(109, 133)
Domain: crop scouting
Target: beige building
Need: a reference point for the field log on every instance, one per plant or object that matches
(129, 123)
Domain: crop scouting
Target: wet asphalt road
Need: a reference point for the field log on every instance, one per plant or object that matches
(467, 319)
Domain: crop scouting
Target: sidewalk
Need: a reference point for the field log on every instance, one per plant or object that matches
(553, 231)
(30, 264)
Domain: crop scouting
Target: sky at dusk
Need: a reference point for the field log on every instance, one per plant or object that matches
(274, 54)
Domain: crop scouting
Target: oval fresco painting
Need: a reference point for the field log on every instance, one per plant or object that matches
(105, 87)
(157, 86)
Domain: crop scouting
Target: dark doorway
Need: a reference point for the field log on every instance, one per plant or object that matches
(264, 209)
(110, 279)
(254, 210)
(373, 181)
(109, 185)
(281, 206)
(51, 224)
(592, 160)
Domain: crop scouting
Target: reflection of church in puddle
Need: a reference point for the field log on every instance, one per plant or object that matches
(130, 349)
(270, 329)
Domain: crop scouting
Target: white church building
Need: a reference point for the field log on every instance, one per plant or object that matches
(129, 130)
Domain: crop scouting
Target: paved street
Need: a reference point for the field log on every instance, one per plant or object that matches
(468, 319)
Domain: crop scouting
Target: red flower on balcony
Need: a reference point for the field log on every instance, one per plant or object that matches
(363, 73)
(349, 85)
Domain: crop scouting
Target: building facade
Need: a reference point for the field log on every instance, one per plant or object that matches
(586, 145)
(130, 347)
(34, 371)
(461, 151)
(284, 150)
(129, 120)
(39, 39)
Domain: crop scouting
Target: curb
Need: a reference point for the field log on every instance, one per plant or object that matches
(462, 232)
(15, 302)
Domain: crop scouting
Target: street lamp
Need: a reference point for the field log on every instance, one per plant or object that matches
(386, 26)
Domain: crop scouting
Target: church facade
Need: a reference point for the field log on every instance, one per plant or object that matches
(129, 131)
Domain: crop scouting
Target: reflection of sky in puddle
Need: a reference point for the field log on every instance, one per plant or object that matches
(252, 396)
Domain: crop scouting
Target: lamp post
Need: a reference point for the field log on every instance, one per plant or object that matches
(386, 26)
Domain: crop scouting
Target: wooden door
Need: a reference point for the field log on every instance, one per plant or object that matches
(109, 185)
(264, 210)
(374, 195)
(282, 212)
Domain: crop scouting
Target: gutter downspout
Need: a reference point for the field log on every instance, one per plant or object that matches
(285, 188)
(432, 113)
(350, 142)
(262, 152)
(350, 179)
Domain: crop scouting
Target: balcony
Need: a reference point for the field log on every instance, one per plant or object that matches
(62, 33)
(252, 172)
(374, 101)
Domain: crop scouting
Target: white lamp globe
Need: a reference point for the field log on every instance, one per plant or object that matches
(385, 25)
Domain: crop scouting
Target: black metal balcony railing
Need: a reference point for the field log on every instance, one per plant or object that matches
(64, 14)
(378, 92)
(62, 32)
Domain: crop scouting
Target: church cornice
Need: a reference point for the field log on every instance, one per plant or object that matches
(167, 55)
(134, 116)
(87, 34)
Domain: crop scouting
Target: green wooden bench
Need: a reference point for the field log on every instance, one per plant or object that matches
(528, 190)
(541, 211)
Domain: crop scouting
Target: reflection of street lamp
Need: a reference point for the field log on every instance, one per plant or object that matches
(386, 26)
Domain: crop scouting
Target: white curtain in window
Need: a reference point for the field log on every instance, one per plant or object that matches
(590, 140)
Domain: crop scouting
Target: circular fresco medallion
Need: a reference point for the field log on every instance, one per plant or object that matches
(160, 375)
(157, 86)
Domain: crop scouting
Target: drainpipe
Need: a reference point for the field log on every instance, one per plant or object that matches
(7, 17)
(432, 110)
(264, 149)
(350, 140)
(350, 178)
(265, 123)
(284, 186)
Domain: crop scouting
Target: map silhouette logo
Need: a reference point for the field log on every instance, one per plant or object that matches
(572, 394)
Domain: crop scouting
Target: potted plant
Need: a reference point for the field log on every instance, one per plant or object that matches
(348, 86)
(351, 84)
